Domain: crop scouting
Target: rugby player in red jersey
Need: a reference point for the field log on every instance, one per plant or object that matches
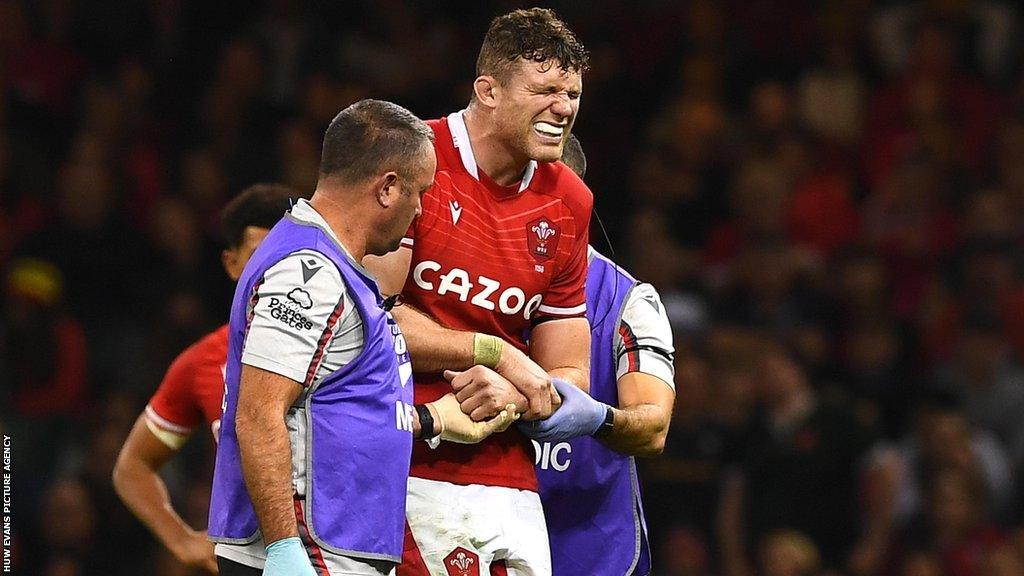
(192, 391)
(500, 249)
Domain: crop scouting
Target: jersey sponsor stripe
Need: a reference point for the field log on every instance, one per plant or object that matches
(165, 424)
(315, 554)
(325, 338)
(629, 341)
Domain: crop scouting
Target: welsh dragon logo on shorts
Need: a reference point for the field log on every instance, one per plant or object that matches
(462, 562)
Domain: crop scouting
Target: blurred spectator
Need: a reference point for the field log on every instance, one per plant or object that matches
(787, 553)
(909, 224)
(942, 439)
(872, 362)
(45, 347)
(986, 30)
(706, 440)
(68, 528)
(684, 554)
(990, 381)
(954, 525)
(831, 97)
(758, 202)
(800, 471)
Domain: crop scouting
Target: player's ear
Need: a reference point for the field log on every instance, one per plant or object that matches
(388, 189)
(486, 88)
(229, 259)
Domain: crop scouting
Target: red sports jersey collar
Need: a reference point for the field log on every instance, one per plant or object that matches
(460, 139)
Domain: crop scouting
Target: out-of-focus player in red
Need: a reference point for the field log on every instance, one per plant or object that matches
(500, 248)
(192, 391)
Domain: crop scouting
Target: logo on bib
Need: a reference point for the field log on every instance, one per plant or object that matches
(288, 313)
(301, 297)
(542, 238)
(462, 562)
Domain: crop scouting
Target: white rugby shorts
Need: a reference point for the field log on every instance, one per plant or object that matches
(474, 530)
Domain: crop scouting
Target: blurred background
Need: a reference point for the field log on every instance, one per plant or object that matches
(829, 196)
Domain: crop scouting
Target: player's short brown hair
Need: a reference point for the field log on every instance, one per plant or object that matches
(535, 34)
(259, 205)
(368, 134)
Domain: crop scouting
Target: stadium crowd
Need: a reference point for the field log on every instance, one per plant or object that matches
(828, 196)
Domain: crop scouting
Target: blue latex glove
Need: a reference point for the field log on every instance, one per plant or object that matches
(287, 557)
(579, 415)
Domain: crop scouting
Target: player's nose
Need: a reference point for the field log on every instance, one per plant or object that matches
(561, 107)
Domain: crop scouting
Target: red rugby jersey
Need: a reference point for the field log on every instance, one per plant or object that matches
(192, 390)
(493, 259)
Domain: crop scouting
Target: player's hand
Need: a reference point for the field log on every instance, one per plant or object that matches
(458, 427)
(287, 557)
(195, 551)
(530, 379)
(483, 393)
(579, 415)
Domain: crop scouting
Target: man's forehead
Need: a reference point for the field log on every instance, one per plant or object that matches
(548, 71)
(427, 165)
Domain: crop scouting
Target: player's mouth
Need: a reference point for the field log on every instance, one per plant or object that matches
(549, 132)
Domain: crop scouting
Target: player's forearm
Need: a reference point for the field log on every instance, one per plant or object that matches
(433, 347)
(267, 468)
(639, 430)
(145, 494)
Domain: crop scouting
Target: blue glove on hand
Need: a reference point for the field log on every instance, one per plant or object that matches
(287, 557)
(579, 415)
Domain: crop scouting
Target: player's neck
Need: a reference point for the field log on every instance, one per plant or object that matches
(493, 156)
(345, 222)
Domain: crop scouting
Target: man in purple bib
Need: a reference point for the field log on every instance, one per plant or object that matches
(588, 484)
(318, 418)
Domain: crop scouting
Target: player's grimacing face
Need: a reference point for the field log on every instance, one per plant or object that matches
(537, 108)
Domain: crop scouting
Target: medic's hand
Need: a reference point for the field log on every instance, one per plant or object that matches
(458, 427)
(579, 415)
(287, 557)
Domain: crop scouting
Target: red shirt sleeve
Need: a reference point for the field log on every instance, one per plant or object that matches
(174, 407)
(566, 297)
